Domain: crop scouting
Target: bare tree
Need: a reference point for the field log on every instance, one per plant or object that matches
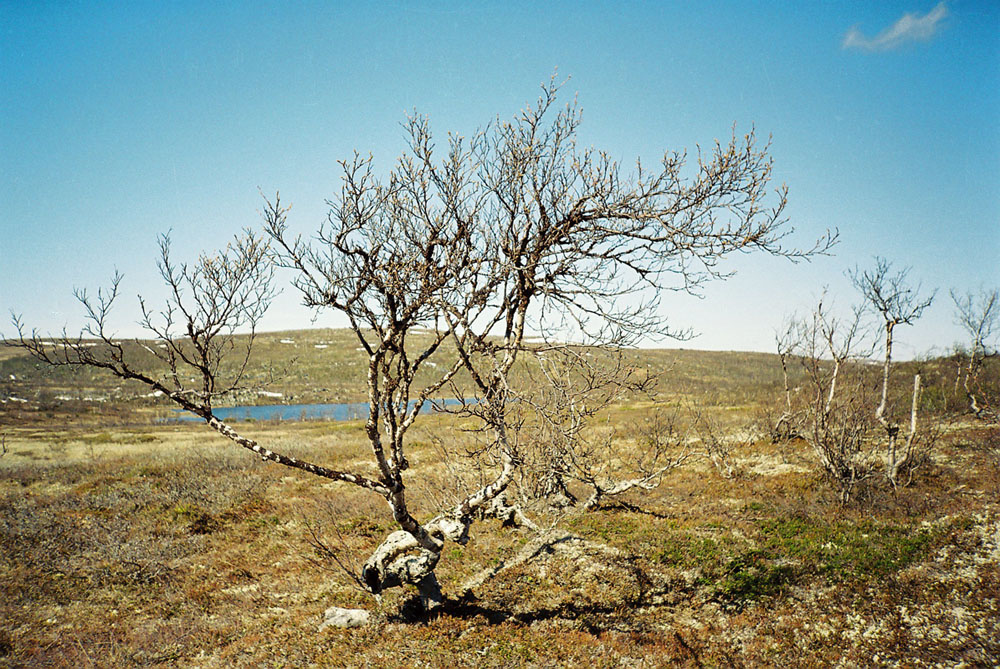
(835, 418)
(786, 341)
(888, 293)
(719, 447)
(517, 229)
(839, 421)
(513, 230)
(979, 315)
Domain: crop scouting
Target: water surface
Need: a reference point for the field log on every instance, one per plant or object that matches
(336, 411)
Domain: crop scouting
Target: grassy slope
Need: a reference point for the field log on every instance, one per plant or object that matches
(307, 366)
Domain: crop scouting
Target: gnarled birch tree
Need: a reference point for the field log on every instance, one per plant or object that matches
(513, 232)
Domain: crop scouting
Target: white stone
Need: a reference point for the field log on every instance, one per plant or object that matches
(338, 617)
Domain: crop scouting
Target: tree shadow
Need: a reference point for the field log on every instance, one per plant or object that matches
(622, 505)
(594, 618)
(684, 648)
(468, 607)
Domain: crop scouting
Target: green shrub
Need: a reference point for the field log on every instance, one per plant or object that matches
(751, 577)
(843, 550)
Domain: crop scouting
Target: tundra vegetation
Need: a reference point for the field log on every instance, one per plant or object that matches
(625, 504)
(126, 541)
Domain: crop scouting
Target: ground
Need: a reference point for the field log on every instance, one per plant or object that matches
(165, 545)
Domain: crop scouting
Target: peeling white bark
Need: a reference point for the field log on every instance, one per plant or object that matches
(402, 560)
(896, 463)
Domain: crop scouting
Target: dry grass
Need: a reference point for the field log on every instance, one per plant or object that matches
(166, 546)
(124, 543)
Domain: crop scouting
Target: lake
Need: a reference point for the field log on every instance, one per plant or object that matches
(337, 411)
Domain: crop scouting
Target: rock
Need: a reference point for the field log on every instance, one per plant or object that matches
(338, 617)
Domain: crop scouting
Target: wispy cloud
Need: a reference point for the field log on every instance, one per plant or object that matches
(909, 28)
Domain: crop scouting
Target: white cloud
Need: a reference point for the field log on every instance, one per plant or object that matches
(909, 28)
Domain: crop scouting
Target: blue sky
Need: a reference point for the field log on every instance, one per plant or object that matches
(119, 121)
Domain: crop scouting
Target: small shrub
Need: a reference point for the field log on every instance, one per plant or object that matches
(751, 577)
(845, 550)
(198, 521)
(686, 551)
